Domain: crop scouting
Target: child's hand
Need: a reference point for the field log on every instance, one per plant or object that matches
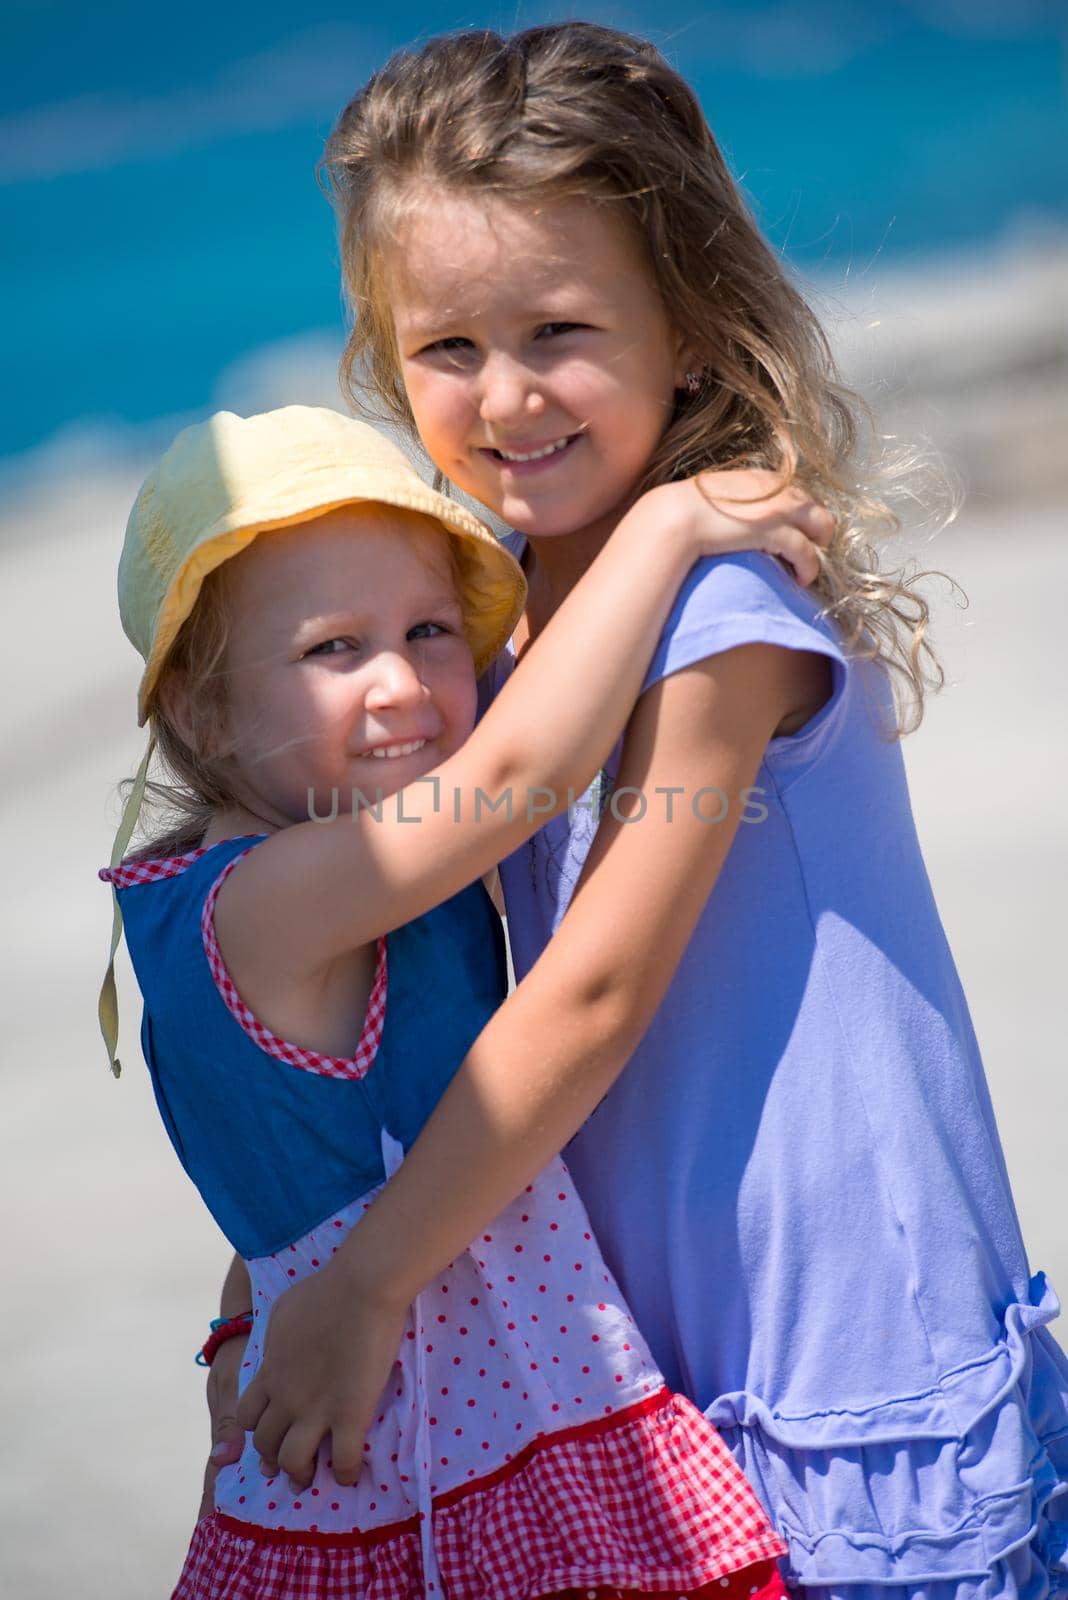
(720, 511)
(327, 1355)
(227, 1435)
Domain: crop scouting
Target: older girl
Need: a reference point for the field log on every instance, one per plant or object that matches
(797, 1179)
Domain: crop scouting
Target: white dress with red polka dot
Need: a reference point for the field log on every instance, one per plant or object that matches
(526, 1444)
(557, 1458)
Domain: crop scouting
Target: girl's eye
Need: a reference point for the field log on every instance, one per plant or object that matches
(454, 346)
(553, 329)
(326, 648)
(428, 630)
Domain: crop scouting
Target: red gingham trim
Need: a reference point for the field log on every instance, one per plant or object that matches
(650, 1505)
(394, 1530)
(134, 871)
(657, 1506)
(129, 873)
(216, 1570)
(552, 1441)
(357, 1539)
(296, 1055)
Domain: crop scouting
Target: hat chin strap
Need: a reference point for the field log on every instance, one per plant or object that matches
(108, 1006)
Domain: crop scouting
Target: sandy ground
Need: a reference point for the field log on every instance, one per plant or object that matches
(115, 1267)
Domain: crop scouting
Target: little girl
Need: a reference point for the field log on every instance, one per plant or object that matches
(797, 1181)
(312, 618)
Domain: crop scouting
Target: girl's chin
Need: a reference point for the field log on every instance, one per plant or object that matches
(563, 518)
(590, 534)
(538, 522)
(543, 515)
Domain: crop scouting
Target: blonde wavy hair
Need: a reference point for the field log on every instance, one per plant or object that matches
(579, 110)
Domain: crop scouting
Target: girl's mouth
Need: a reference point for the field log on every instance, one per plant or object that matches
(389, 752)
(522, 463)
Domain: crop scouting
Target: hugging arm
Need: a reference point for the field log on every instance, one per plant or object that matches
(539, 1067)
(332, 1339)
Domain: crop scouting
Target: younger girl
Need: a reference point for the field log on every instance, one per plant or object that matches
(797, 1180)
(312, 618)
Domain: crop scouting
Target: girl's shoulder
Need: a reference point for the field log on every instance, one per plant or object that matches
(745, 598)
(455, 949)
(751, 598)
(166, 900)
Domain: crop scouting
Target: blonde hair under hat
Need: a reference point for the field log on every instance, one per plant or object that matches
(226, 480)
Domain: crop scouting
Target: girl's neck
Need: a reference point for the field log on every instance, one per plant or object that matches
(554, 566)
(235, 823)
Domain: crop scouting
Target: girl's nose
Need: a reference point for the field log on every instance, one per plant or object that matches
(510, 392)
(396, 682)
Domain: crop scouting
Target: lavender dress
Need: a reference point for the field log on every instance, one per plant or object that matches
(797, 1180)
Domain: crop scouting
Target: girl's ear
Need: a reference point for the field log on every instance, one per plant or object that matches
(203, 736)
(687, 364)
(174, 703)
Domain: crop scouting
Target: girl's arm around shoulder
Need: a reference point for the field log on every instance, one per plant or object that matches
(534, 1074)
(317, 890)
(526, 1087)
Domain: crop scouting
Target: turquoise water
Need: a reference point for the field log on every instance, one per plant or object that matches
(160, 211)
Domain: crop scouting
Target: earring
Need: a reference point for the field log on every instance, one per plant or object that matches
(693, 383)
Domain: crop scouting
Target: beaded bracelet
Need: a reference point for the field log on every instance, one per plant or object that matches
(223, 1328)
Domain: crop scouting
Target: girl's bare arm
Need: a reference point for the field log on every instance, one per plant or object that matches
(544, 1061)
(538, 1068)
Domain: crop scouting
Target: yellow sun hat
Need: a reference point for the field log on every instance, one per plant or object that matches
(224, 481)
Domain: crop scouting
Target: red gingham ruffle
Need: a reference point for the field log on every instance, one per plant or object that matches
(649, 1502)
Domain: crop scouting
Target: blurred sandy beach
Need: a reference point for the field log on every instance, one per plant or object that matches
(115, 1266)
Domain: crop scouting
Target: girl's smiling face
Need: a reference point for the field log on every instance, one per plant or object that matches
(537, 356)
(346, 661)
